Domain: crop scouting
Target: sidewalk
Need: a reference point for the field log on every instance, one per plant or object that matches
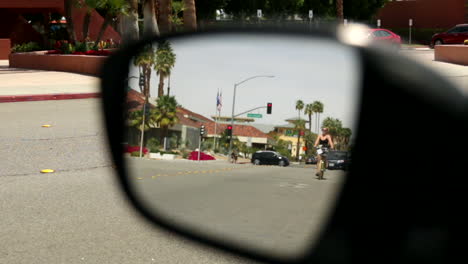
(18, 85)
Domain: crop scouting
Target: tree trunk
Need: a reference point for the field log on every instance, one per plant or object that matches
(104, 25)
(148, 79)
(168, 84)
(310, 123)
(190, 15)
(86, 22)
(150, 25)
(339, 10)
(129, 24)
(68, 4)
(161, 85)
(297, 147)
(164, 18)
(46, 20)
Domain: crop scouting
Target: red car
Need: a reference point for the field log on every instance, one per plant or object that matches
(385, 36)
(455, 35)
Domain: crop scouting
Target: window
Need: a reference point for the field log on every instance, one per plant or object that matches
(385, 33)
(455, 30)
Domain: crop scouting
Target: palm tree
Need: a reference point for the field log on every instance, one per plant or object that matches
(129, 28)
(114, 8)
(299, 107)
(165, 60)
(317, 107)
(136, 120)
(68, 5)
(164, 18)
(145, 60)
(339, 10)
(334, 126)
(299, 126)
(190, 15)
(165, 114)
(150, 24)
(309, 110)
(90, 6)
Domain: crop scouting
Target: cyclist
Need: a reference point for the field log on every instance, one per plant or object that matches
(326, 141)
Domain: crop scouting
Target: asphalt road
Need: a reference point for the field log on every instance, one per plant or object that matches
(276, 209)
(77, 214)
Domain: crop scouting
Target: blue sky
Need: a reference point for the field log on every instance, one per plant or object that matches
(304, 68)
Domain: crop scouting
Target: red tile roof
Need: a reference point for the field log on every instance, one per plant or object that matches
(238, 130)
(135, 102)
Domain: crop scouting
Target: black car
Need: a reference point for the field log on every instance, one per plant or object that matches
(311, 160)
(269, 158)
(338, 160)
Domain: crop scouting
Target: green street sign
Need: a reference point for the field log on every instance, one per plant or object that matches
(255, 115)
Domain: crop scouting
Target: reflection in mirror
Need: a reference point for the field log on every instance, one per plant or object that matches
(255, 106)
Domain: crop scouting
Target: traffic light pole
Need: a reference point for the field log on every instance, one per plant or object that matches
(234, 103)
(199, 147)
(232, 121)
(250, 110)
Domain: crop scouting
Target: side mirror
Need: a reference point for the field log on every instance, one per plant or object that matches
(266, 213)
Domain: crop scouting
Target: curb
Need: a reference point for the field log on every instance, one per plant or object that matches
(46, 97)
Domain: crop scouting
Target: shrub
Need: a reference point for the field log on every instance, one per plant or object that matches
(135, 154)
(26, 47)
(153, 145)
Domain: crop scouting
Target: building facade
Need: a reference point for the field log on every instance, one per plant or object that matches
(17, 29)
(427, 14)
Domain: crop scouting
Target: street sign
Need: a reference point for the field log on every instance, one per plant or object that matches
(255, 115)
(378, 23)
(259, 13)
(311, 14)
(411, 22)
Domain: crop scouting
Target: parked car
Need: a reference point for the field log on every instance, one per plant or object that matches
(386, 37)
(455, 35)
(269, 157)
(338, 160)
(311, 160)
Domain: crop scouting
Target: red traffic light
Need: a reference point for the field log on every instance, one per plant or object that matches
(269, 106)
(229, 127)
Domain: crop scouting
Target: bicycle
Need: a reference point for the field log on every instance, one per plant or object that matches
(322, 151)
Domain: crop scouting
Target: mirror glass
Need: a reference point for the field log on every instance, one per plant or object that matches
(254, 105)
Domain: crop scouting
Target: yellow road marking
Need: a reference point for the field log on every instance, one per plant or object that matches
(46, 125)
(139, 178)
(47, 171)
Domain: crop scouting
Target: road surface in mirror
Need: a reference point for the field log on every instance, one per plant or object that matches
(232, 129)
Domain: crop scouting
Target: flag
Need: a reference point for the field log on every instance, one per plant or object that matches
(218, 101)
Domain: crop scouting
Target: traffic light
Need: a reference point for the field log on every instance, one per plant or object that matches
(269, 106)
(202, 130)
(229, 130)
(142, 80)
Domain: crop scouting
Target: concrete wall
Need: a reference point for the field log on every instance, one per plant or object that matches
(5, 48)
(425, 13)
(457, 54)
(69, 63)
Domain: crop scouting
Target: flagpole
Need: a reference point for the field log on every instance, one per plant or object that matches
(216, 120)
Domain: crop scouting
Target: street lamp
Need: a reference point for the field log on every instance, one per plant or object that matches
(234, 103)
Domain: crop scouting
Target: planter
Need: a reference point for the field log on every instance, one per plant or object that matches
(85, 64)
(168, 156)
(5, 48)
(155, 155)
(162, 157)
(457, 54)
